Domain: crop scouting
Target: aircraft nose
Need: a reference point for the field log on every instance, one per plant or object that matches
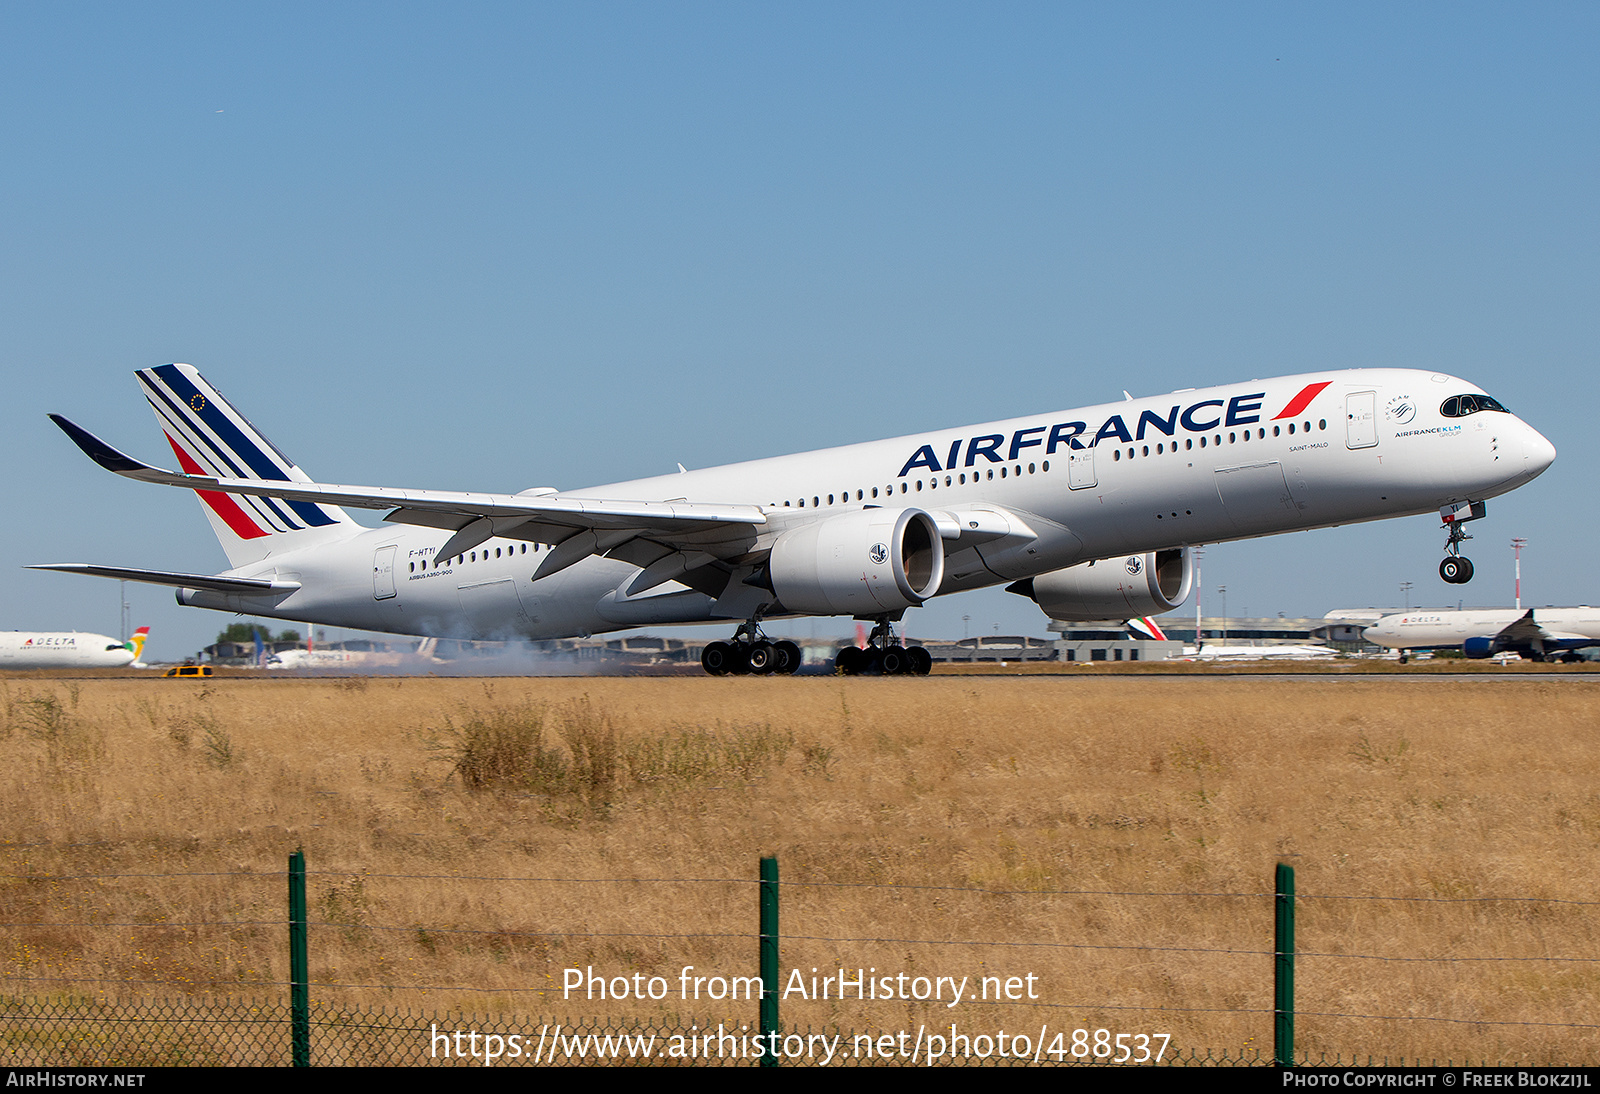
(1537, 452)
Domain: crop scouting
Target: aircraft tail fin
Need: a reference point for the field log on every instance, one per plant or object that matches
(1147, 628)
(211, 438)
(136, 643)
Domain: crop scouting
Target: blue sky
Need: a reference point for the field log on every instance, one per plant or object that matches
(500, 246)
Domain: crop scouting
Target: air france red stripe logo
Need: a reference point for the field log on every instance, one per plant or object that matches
(1302, 400)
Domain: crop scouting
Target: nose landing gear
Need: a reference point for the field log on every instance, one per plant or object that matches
(885, 654)
(1455, 569)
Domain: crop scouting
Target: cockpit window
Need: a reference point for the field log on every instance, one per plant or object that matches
(1459, 406)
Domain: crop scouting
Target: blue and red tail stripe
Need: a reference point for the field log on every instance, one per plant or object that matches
(221, 504)
(218, 435)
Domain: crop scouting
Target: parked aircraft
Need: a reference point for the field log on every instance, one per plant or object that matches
(1216, 652)
(1539, 634)
(1090, 512)
(70, 650)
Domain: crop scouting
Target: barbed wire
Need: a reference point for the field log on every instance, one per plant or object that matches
(798, 884)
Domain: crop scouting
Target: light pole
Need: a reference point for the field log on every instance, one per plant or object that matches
(1405, 590)
(1222, 591)
(1517, 545)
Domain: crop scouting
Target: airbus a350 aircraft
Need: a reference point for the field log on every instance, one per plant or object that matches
(1539, 634)
(69, 650)
(1089, 512)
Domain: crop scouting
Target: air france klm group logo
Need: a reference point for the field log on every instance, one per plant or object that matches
(1200, 417)
(878, 553)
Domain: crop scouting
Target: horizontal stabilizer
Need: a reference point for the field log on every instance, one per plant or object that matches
(242, 586)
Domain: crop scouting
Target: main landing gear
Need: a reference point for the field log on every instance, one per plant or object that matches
(885, 654)
(1455, 569)
(751, 653)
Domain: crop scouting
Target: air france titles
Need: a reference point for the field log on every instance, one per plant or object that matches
(1208, 414)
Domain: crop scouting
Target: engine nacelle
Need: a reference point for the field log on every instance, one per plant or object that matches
(869, 562)
(1113, 588)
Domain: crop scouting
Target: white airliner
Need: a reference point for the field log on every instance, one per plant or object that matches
(69, 650)
(1089, 512)
(1539, 634)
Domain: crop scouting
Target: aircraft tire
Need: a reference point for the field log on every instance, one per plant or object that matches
(893, 661)
(760, 658)
(1456, 570)
(715, 657)
(789, 658)
(921, 661)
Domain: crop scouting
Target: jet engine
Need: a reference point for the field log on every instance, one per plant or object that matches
(866, 563)
(1113, 588)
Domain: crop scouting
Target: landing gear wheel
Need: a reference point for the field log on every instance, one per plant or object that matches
(716, 658)
(921, 660)
(851, 661)
(894, 661)
(1456, 570)
(760, 659)
(789, 657)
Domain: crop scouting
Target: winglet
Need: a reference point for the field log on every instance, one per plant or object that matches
(121, 463)
(97, 450)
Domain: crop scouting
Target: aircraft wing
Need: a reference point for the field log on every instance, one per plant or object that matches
(1524, 630)
(590, 525)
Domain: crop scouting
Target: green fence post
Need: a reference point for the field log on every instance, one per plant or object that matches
(1283, 970)
(769, 962)
(299, 964)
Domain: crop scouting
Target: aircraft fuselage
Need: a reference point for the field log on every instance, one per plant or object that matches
(1050, 491)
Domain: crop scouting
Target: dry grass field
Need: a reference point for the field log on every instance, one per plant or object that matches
(1113, 837)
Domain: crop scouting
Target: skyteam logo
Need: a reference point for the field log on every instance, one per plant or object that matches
(1401, 409)
(1201, 417)
(1134, 565)
(878, 553)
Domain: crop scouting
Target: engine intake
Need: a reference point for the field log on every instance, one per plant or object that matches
(1113, 588)
(869, 562)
